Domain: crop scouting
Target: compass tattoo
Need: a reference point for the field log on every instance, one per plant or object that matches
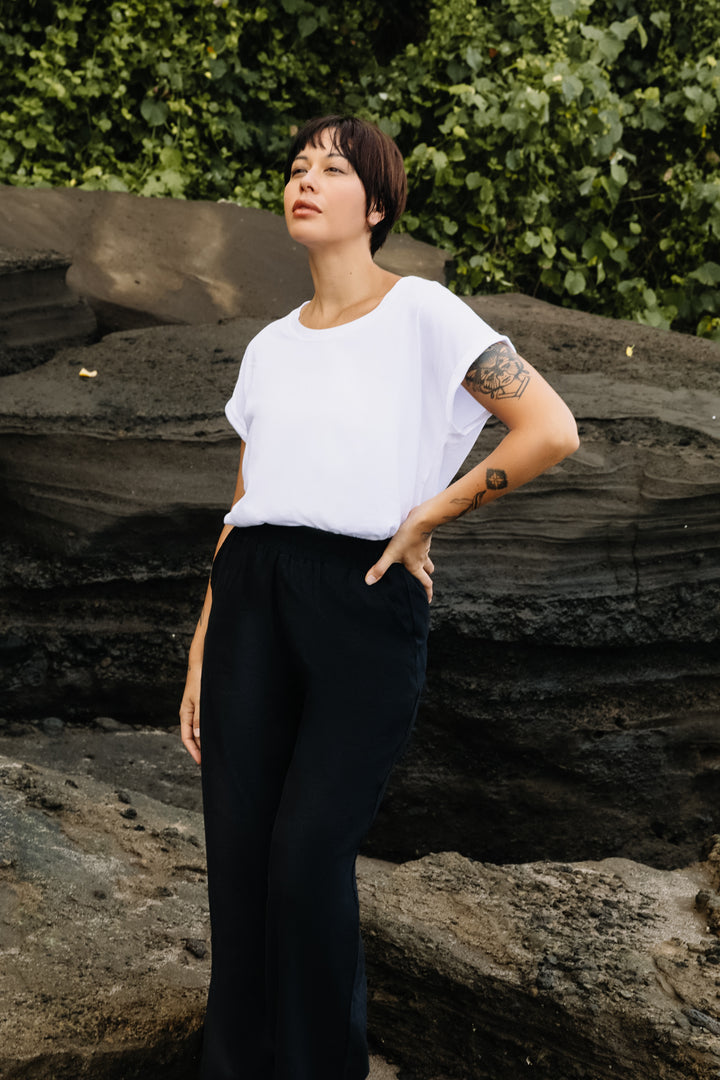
(498, 372)
(496, 480)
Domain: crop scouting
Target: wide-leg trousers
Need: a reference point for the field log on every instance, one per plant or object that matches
(310, 686)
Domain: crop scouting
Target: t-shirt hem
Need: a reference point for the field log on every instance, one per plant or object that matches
(459, 373)
(235, 420)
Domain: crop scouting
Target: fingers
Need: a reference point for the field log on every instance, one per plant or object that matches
(426, 581)
(190, 730)
(377, 571)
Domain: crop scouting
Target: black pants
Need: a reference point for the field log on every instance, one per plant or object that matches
(311, 680)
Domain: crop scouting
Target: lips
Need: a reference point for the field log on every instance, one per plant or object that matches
(302, 206)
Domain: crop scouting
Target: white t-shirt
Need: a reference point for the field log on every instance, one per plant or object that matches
(347, 429)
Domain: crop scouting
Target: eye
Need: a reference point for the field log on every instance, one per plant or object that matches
(297, 169)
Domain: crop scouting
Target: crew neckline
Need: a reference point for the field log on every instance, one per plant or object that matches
(295, 315)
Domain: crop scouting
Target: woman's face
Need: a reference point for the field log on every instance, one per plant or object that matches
(325, 201)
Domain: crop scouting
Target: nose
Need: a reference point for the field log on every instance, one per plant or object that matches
(307, 182)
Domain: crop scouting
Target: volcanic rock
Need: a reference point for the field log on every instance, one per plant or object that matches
(39, 313)
(142, 262)
(572, 705)
(582, 971)
(97, 979)
(571, 708)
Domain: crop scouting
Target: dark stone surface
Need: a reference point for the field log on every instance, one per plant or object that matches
(143, 262)
(476, 972)
(558, 971)
(39, 313)
(571, 709)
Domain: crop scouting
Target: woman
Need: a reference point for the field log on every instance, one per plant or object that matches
(355, 411)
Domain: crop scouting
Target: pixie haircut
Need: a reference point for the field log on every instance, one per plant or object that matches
(374, 157)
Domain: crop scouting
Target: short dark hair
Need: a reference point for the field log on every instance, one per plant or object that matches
(374, 157)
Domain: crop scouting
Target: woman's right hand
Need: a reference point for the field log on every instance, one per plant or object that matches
(190, 704)
(190, 712)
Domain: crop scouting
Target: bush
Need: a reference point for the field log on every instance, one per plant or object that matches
(188, 98)
(570, 158)
(563, 148)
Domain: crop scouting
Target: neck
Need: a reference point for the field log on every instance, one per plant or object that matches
(344, 279)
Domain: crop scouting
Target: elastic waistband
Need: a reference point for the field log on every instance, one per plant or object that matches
(312, 543)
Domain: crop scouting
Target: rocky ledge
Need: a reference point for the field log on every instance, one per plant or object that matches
(583, 971)
(579, 971)
(571, 708)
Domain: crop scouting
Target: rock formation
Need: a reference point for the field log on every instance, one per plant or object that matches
(551, 970)
(39, 313)
(476, 972)
(571, 706)
(143, 262)
(571, 709)
(103, 930)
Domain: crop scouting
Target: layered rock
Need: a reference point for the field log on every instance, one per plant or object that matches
(572, 705)
(39, 313)
(572, 699)
(142, 262)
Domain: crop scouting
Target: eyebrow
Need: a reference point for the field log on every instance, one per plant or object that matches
(304, 157)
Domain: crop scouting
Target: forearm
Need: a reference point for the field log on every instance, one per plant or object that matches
(197, 645)
(521, 456)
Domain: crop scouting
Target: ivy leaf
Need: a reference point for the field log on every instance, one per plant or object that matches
(574, 282)
(707, 274)
(473, 57)
(571, 87)
(306, 25)
(564, 9)
(155, 112)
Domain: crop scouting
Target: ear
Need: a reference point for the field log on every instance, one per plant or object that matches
(374, 218)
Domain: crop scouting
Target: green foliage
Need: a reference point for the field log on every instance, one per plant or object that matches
(564, 148)
(179, 97)
(569, 149)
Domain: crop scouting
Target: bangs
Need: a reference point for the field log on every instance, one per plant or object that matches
(340, 129)
(374, 157)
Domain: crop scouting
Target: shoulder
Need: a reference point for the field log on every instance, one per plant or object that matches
(442, 312)
(275, 330)
(434, 301)
(421, 290)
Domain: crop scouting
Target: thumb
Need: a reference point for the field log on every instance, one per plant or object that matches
(376, 572)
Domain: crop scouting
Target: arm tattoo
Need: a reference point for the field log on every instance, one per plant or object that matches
(496, 481)
(498, 372)
(469, 504)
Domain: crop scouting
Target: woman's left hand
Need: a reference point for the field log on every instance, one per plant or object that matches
(410, 546)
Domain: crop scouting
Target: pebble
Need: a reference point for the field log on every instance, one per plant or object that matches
(545, 980)
(51, 802)
(107, 723)
(197, 947)
(52, 725)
